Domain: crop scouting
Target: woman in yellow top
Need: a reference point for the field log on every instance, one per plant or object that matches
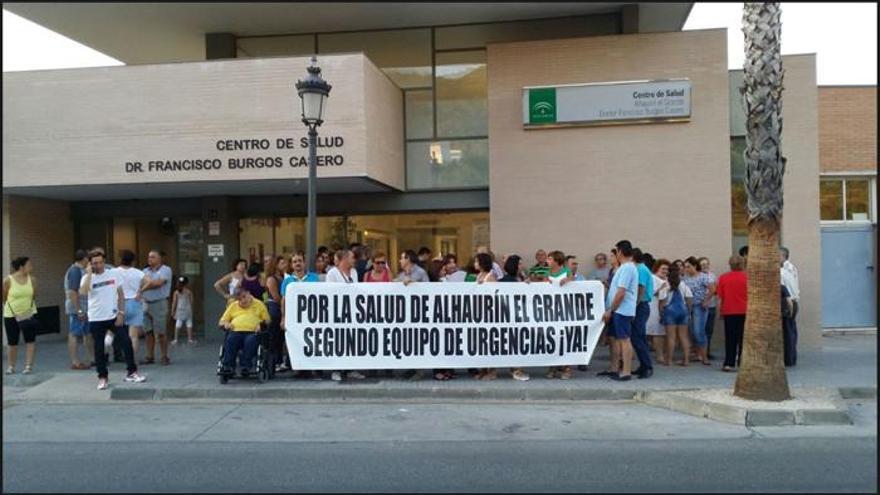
(19, 292)
(243, 316)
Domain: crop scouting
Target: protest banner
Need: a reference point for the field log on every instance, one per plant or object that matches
(336, 326)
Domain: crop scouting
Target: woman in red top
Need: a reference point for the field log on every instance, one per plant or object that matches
(732, 291)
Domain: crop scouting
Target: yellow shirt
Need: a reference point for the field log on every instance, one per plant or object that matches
(246, 319)
(20, 301)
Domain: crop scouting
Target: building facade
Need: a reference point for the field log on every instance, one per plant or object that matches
(427, 141)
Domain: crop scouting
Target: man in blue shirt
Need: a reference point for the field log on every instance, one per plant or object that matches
(299, 274)
(621, 309)
(643, 311)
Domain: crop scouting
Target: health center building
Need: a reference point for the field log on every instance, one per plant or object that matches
(517, 126)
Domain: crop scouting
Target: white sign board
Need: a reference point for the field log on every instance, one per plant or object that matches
(607, 103)
(340, 326)
(215, 249)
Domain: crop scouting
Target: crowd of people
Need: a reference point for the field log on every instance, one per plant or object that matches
(654, 306)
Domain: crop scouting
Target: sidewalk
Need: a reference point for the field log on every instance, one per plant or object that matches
(845, 362)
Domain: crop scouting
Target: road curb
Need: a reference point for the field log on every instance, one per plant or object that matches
(675, 401)
(359, 393)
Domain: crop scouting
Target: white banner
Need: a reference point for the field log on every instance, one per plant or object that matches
(336, 326)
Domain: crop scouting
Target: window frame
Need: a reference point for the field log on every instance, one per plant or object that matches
(871, 177)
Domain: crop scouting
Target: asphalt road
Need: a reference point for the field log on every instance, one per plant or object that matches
(321, 447)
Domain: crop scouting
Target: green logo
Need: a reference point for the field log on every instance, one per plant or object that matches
(542, 106)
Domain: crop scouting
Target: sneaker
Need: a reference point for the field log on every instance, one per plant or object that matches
(27, 370)
(356, 375)
(135, 378)
(551, 373)
(490, 375)
(174, 342)
(566, 374)
(10, 370)
(521, 376)
(102, 384)
(336, 376)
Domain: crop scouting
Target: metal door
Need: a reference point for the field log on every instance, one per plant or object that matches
(849, 282)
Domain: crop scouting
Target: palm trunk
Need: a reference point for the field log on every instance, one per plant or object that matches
(762, 373)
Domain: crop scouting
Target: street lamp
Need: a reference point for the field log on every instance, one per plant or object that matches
(313, 92)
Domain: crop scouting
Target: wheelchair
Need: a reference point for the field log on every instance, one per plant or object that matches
(263, 371)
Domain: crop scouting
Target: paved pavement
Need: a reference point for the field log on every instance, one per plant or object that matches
(843, 361)
(407, 447)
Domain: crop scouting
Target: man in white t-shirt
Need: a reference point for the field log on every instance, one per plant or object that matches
(344, 272)
(106, 310)
(134, 282)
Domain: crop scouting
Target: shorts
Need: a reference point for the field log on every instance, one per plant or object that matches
(134, 313)
(156, 317)
(673, 318)
(180, 323)
(78, 328)
(621, 326)
(13, 330)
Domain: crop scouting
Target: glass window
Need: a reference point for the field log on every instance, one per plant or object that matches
(255, 238)
(404, 55)
(831, 199)
(447, 164)
(857, 199)
(462, 101)
(419, 114)
(477, 35)
(290, 236)
(739, 208)
(276, 46)
(738, 198)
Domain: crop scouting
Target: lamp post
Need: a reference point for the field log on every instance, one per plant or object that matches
(313, 92)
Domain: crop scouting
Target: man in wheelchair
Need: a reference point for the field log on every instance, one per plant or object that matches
(242, 320)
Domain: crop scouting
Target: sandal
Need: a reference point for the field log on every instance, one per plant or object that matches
(166, 361)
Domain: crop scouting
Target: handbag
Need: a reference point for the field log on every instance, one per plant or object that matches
(27, 322)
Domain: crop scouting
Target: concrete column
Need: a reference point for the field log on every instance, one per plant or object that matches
(217, 209)
(629, 18)
(219, 45)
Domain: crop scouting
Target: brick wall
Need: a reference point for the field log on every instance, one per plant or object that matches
(41, 230)
(847, 128)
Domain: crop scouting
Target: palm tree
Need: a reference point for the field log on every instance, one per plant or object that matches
(762, 374)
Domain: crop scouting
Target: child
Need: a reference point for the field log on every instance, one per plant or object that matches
(182, 309)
